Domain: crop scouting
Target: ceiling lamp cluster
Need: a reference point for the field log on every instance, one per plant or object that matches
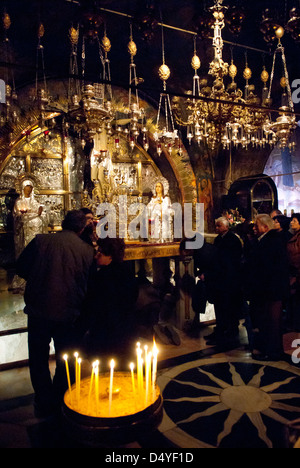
(228, 115)
(216, 114)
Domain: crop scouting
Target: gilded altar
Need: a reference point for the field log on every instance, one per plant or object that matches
(145, 250)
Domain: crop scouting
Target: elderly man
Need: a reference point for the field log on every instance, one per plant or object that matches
(57, 268)
(267, 285)
(226, 284)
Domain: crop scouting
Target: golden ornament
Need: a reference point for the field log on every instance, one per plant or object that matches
(232, 70)
(73, 34)
(164, 72)
(196, 63)
(264, 76)
(6, 21)
(279, 32)
(132, 48)
(283, 82)
(247, 73)
(41, 30)
(106, 45)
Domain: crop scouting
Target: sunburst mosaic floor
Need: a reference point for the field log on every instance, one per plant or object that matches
(236, 403)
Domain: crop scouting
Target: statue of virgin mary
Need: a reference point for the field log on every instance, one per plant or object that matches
(160, 212)
(28, 219)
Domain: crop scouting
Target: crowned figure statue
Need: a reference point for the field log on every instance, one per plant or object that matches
(160, 212)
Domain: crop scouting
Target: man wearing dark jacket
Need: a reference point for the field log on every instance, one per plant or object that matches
(267, 288)
(226, 284)
(56, 268)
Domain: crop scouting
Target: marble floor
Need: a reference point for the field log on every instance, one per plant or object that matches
(211, 398)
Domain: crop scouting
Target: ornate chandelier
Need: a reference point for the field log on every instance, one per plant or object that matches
(218, 115)
(286, 122)
(90, 106)
(135, 113)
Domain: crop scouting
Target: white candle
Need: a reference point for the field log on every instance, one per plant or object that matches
(112, 365)
(154, 368)
(76, 365)
(139, 368)
(148, 376)
(78, 380)
(91, 387)
(68, 375)
(96, 370)
(132, 378)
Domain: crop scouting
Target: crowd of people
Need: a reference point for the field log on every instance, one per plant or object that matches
(82, 295)
(253, 275)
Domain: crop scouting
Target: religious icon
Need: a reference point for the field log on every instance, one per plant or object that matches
(160, 213)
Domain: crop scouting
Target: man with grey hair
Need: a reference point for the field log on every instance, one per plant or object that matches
(227, 297)
(267, 287)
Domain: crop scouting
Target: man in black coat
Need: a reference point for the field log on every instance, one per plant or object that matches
(56, 268)
(226, 284)
(267, 287)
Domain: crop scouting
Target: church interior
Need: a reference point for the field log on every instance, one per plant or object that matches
(101, 102)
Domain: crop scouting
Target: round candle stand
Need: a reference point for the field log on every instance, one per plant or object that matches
(91, 425)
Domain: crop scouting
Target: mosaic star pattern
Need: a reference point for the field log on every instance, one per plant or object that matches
(230, 404)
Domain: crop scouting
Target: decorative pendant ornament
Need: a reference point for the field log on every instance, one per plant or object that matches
(196, 63)
(6, 21)
(73, 35)
(264, 75)
(164, 72)
(165, 134)
(106, 44)
(135, 112)
(285, 123)
(232, 71)
(132, 48)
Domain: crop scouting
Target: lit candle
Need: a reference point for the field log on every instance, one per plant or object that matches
(139, 368)
(68, 375)
(112, 365)
(132, 378)
(91, 387)
(146, 370)
(148, 376)
(96, 370)
(76, 365)
(154, 368)
(78, 380)
(142, 375)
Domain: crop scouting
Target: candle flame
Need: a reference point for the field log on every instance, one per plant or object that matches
(112, 364)
(65, 357)
(131, 366)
